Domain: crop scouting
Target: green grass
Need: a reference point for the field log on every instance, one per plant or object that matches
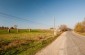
(38, 46)
(5, 31)
(24, 42)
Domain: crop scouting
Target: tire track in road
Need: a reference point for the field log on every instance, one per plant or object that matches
(80, 42)
(72, 48)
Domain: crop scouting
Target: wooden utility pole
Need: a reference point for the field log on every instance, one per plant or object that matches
(54, 28)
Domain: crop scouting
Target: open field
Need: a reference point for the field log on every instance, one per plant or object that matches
(24, 42)
(5, 31)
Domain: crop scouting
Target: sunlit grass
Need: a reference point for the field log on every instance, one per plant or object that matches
(24, 43)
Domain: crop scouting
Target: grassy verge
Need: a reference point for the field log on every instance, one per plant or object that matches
(36, 46)
(81, 33)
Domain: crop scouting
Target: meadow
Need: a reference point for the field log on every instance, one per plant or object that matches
(24, 42)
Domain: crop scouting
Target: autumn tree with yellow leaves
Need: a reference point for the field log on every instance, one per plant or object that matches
(80, 26)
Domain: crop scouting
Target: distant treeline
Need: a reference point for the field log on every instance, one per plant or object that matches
(3, 27)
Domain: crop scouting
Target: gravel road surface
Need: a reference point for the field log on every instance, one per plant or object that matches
(68, 43)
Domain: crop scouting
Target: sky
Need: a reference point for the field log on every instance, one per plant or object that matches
(41, 13)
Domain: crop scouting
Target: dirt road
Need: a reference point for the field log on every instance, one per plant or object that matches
(69, 43)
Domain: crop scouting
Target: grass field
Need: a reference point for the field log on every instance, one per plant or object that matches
(24, 42)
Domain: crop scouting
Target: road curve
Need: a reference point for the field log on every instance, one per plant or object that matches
(69, 43)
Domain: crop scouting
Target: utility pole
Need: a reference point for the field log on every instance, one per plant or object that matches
(54, 28)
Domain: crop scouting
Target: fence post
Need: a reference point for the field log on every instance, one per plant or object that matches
(8, 30)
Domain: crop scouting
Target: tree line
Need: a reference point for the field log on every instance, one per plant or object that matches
(9, 28)
(13, 27)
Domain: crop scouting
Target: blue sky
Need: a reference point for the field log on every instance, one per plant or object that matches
(40, 13)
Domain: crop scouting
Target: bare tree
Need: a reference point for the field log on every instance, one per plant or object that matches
(63, 28)
(15, 26)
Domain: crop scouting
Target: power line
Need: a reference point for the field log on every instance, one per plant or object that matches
(22, 19)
